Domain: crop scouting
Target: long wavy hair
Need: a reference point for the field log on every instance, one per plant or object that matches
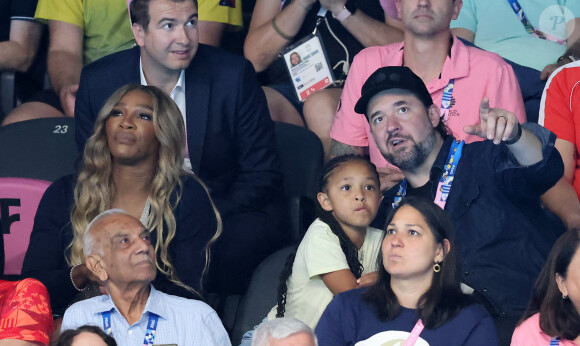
(444, 299)
(348, 248)
(558, 316)
(95, 190)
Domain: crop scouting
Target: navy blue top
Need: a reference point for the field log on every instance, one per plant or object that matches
(348, 319)
(502, 232)
(52, 232)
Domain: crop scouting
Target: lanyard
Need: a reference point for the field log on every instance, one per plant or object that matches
(447, 100)
(446, 180)
(555, 341)
(417, 329)
(519, 11)
(149, 333)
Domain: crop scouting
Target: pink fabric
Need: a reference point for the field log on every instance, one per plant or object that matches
(477, 74)
(529, 334)
(390, 8)
(24, 196)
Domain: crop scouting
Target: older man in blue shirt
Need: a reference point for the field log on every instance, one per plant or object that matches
(118, 252)
(491, 189)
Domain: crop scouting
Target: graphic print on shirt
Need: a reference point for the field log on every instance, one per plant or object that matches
(390, 338)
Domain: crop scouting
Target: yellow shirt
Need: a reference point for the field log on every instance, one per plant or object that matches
(105, 23)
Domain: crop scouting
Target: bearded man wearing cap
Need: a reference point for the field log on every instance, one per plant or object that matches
(491, 189)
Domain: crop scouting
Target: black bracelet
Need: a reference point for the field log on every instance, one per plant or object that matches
(570, 57)
(516, 138)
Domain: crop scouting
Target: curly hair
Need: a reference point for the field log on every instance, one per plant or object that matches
(95, 190)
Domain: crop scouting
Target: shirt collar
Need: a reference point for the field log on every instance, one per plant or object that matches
(154, 304)
(180, 85)
(455, 66)
(441, 159)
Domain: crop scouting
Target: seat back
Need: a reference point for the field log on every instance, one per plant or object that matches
(19, 199)
(7, 93)
(301, 157)
(262, 293)
(42, 149)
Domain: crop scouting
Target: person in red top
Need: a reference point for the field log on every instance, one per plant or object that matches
(25, 312)
(560, 113)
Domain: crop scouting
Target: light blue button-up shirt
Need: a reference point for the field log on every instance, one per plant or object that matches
(181, 321)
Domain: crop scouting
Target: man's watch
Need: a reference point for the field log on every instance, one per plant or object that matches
(350, 7)
(570, 57)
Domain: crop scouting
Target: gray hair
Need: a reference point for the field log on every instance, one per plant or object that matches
(89, 239)
(280, 328)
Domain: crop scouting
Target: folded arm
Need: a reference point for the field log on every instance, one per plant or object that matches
(19, 51)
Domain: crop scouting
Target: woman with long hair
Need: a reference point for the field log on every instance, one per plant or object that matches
(552, 317)
(417, 299)
(133, 161)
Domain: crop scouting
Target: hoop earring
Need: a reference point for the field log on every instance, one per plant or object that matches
(436, 267)
(564, 296)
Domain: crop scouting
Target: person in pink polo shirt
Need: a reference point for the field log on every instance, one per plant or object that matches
(457, 77)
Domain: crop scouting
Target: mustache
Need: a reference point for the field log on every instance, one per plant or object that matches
(148, 258)
(396, 135)
(422, 11)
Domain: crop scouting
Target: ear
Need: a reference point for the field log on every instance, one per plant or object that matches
(457, 5)
(95, 265)
(324, 201)
(561, 282)
(398, 5)
(139, 34)
(442, 251)
(434, 114)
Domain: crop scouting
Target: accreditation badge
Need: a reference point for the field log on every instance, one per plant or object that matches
(307, 64)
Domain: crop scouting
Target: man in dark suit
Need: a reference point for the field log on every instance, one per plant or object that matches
(230, 137)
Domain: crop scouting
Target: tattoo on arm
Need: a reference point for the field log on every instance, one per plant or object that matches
(337, 149)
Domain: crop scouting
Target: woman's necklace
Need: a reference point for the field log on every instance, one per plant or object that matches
(145, 214)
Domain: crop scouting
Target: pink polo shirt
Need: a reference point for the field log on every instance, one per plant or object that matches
(529, 334)
(477, 73)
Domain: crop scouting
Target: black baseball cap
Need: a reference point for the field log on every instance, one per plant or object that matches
(392, 77)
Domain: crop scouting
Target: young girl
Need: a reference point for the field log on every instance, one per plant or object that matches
(339, 250)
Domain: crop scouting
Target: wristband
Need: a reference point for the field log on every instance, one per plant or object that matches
(570, 57)
(516, 138)
(343, 15)
(349, 8)
(280, 32)
(73, 282)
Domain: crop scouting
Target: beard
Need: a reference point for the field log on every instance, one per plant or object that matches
(411, 159)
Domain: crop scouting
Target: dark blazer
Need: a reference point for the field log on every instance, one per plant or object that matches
(230, 135)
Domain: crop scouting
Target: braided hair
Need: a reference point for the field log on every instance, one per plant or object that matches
(348, 248)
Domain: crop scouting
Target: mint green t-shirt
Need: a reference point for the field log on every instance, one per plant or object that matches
(499, 30)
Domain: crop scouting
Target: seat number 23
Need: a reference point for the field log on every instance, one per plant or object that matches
(60, 129)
